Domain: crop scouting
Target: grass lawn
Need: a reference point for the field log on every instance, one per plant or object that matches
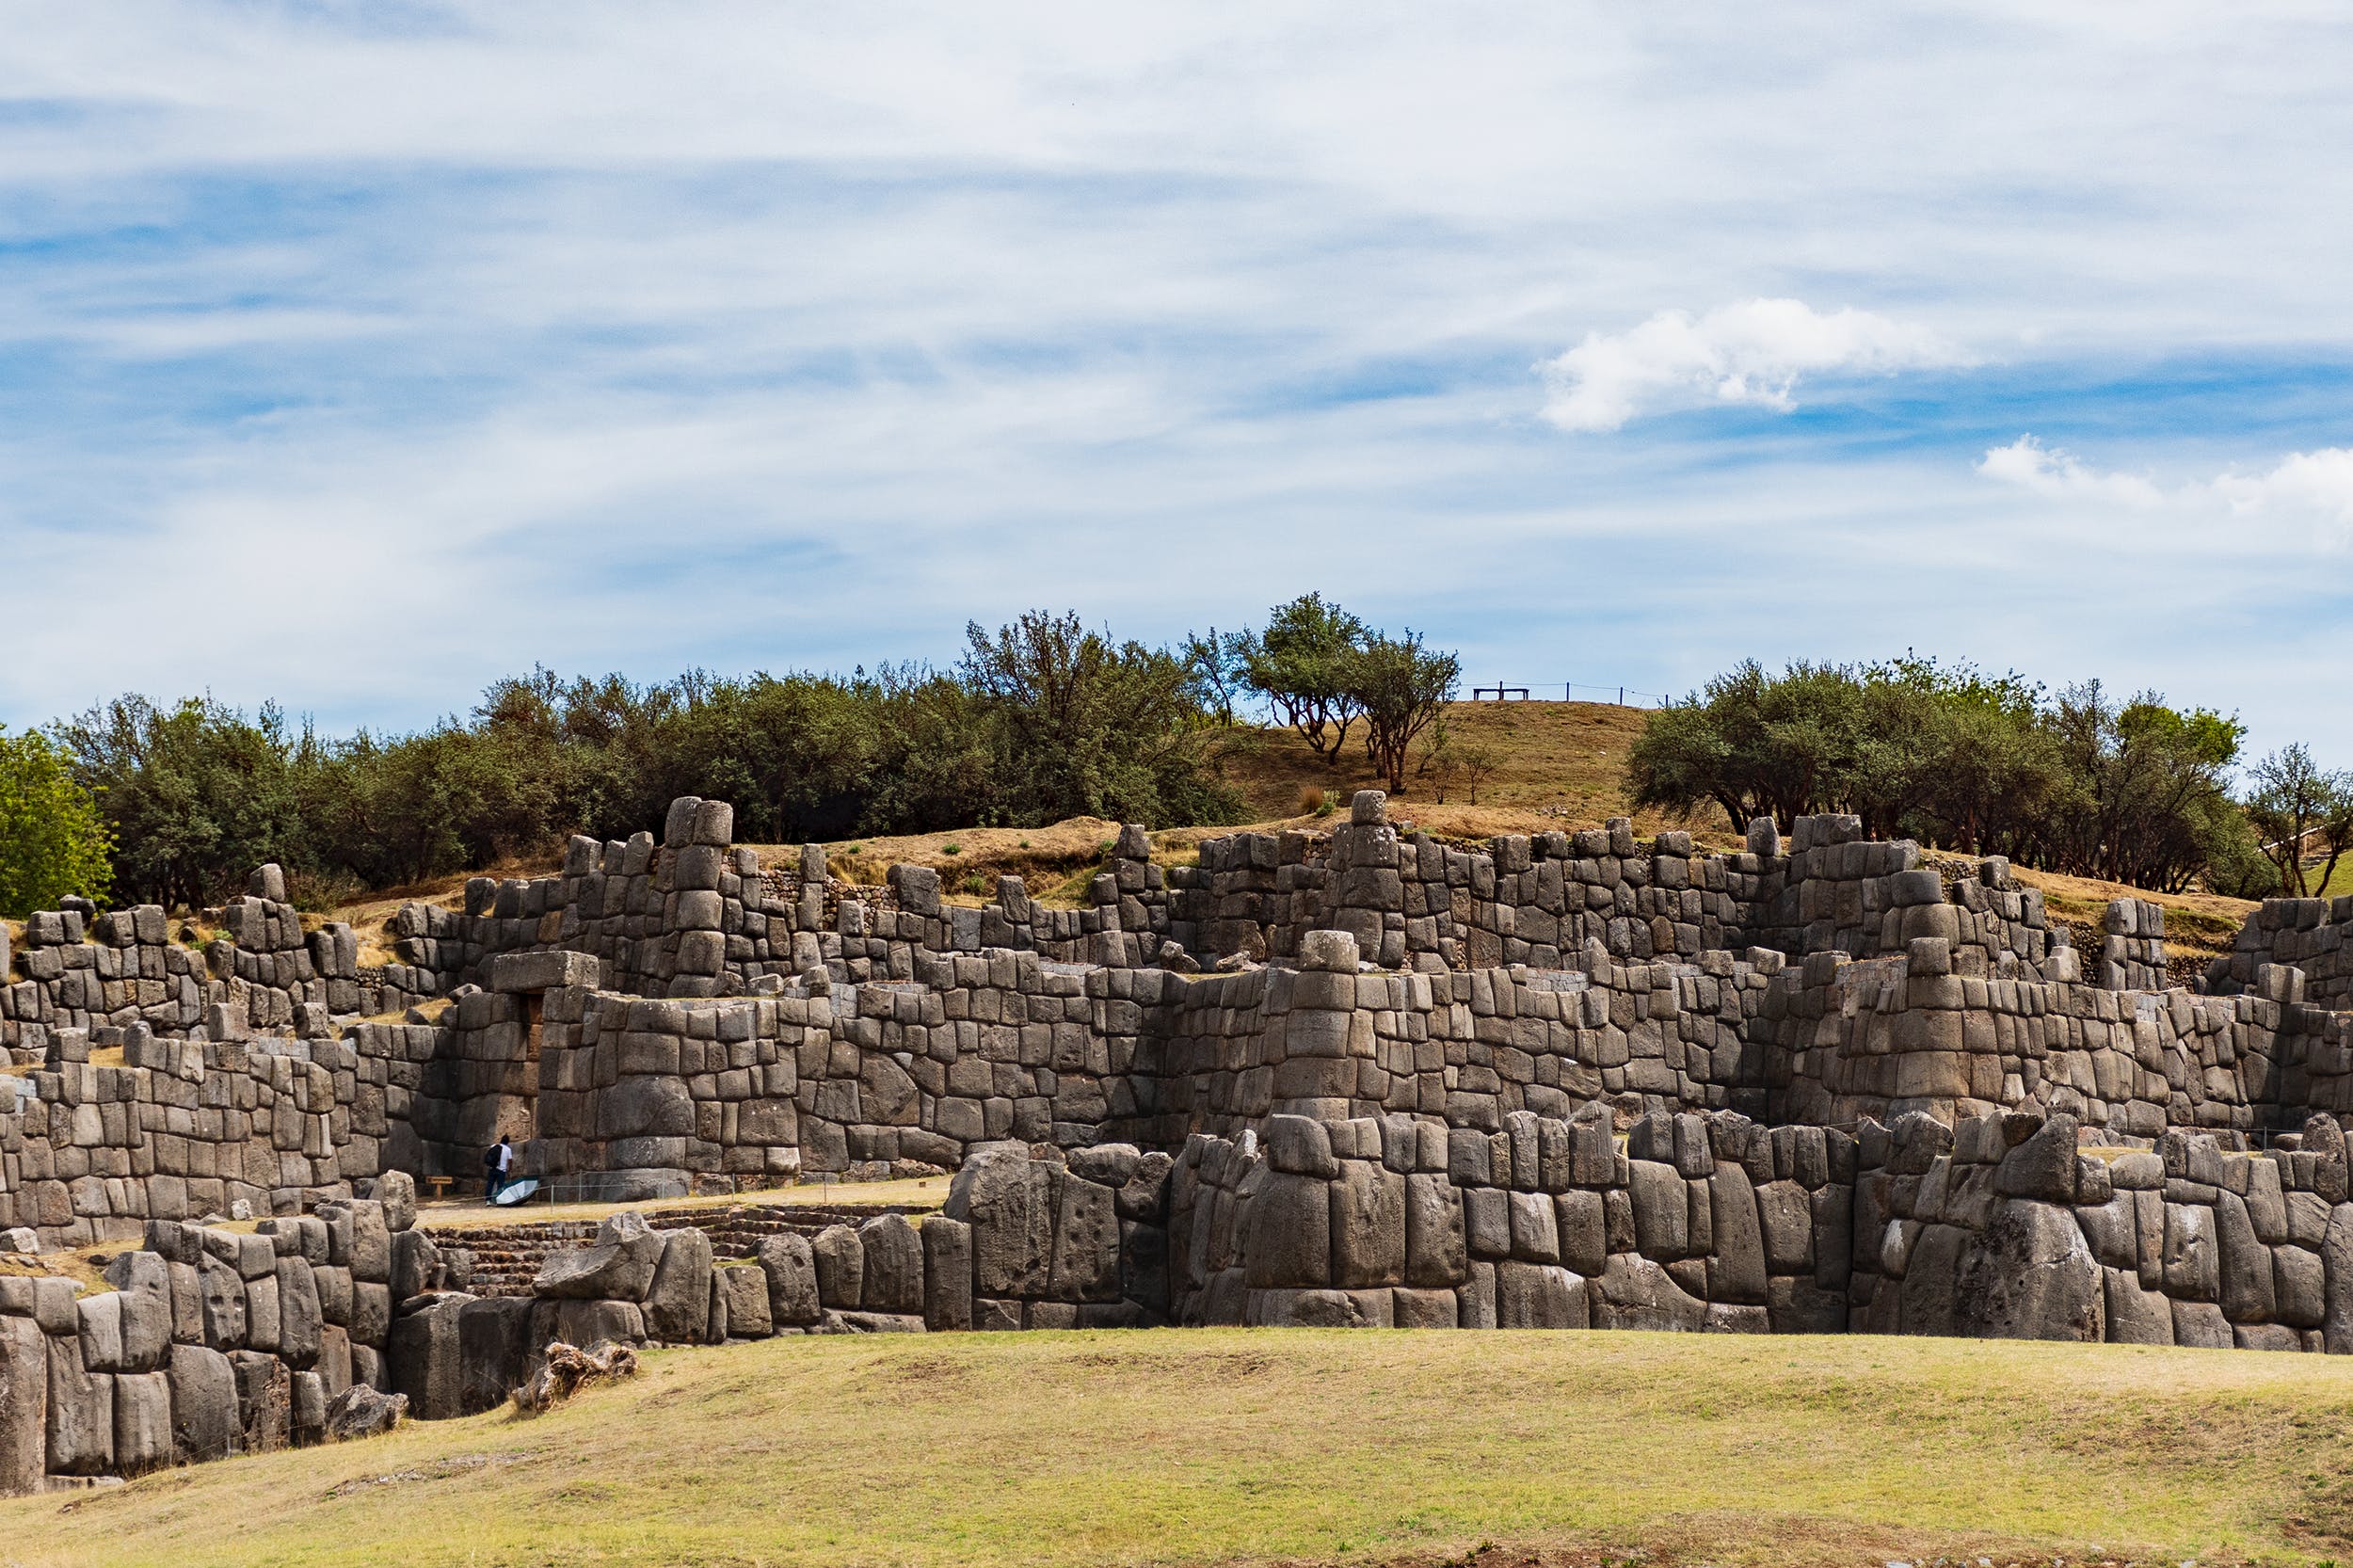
(1305, 1447)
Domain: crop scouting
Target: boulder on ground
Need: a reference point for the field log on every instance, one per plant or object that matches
(360, 1410)
(618, 1266)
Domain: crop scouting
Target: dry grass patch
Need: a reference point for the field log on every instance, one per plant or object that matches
(1253, 1446)
(921, 1192)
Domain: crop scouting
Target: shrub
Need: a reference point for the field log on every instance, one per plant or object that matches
(53, 842)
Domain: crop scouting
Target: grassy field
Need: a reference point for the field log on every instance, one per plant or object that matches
(1304, 1447)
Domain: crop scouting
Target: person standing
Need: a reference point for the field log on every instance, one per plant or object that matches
(499, 1161)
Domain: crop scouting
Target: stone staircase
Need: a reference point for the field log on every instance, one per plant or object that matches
(506, 1259)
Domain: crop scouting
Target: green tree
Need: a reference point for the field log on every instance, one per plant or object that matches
(1302, 664)
(1400, 687)
(1083, 725)
(53, 841)
(2298, 808)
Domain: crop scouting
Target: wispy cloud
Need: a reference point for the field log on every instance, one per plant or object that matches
(352, 355)
(2316, 485)
(1751, 352)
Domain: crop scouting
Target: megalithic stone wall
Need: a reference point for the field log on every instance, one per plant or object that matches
(209, 1343)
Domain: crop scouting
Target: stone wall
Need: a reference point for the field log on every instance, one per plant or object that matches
(209, 1343)
(2304, 933)
(2005, 1228)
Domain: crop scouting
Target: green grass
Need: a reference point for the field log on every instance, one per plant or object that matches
(1239, 1445)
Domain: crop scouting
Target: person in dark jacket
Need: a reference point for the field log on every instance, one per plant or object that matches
(499, 1162)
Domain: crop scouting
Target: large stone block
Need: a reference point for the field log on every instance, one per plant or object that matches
(142, 1422)
(1288, 1244)
(543, 972)
(678, 1302)
(947, 1273)
(745, 1288)
(791, 1267)
(1539, 1295)
(24, 1405)
(893, 1280)
(1368, 1226)
(425, 1360)
(1434, 1252)
(204, 1423)
(841, 1267)
(2030, 1276)
(617, 1267)
(1009, 1201)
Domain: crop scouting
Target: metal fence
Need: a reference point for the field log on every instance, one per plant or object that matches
(1571, 691)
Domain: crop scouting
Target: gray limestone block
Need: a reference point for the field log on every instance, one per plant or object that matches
(677, 826)
(24, 1404)
(744, 1287)
(1487, 1221)
(101, 1331)
(2192, 1257)
(299, 1315)
(494, 1350)
(1289, 1239)
(81, 1433)
(1300, 1145)
(1435, 1254)
(2299, 1288)
(307, 1404)
(1930, 1279)
(840, 1267)
(587, 1323)
(2043, 1166)
(947, 1273)
(791, 1267)
(2246, 1264)
(371, 1316)
(423, 1360)
(395, 1191)
(222, 1301)
(370, 1241)
(1475, 1300)
(205, 1414)
(2336, 1255)
(1009, 1201)
(2200, 1326)
(1735, 1268)
(1635, 1292)
(1786, 1223)
(142, 1423)
(891, 1279)
(678, 1302)
(1084, 1266)
(265, 1403)
(617, 1267)
(1539, 1295)
(2030, 1276)
(1424, 1308)
(1796, 1305)
(1663, 1210)
(1535, 1232)
(416, 1264)
(1368, 1226)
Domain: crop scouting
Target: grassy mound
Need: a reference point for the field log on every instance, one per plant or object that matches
(1256, 1445)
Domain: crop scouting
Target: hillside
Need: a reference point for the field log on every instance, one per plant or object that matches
(1304, 1447)
(1555, 766)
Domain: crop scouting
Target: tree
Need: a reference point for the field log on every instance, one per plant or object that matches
(1300, 664)
(53, 841)
(2294, 803)
(1082, 725)
(1400, 687)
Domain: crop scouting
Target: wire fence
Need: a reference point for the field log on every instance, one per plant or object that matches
(1571, 691)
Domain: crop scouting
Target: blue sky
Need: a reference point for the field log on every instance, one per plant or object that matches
(352, 356)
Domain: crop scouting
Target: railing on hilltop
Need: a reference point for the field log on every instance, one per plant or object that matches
(1626, 697)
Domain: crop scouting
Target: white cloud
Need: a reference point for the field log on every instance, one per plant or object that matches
(1751, 352)
(2048, 471)
(2315, 485)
